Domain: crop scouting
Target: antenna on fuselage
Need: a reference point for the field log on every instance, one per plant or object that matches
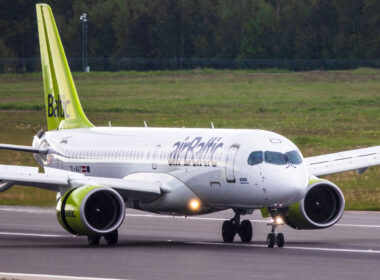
(109, 124)
(146, 126)
(212, 125)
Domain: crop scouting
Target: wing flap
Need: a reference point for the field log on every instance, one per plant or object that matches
(358, 159)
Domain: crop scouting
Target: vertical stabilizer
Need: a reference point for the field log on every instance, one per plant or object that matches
(63, 109)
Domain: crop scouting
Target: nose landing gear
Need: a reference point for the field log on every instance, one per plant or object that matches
(274, 237)
(232, 227)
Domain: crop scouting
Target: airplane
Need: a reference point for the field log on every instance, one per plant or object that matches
(99, 171)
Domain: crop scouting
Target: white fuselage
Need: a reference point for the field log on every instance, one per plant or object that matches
(211, 164)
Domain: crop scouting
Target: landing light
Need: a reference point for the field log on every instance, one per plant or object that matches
(194, 204)
(278, 220)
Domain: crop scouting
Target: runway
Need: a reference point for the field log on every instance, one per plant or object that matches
(162, 247)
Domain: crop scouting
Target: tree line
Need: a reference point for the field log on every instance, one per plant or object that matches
(217, 29)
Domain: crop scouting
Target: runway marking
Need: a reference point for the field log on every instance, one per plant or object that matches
(51, 277)
(291, 247)
(33, 234)
(27, 210)
(342, 250)
(223, 219)
(352, 225)
(41, 210)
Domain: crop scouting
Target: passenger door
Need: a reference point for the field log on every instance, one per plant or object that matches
(156, 156)
(230, 163)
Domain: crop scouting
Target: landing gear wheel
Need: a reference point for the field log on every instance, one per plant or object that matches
(228, 231)
(276, 221)
(112, 238)
(280, 240)
(270, 240)
(245, 231)
(93, 240)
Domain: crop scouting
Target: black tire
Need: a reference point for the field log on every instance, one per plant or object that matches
(245, 231)
(270, 240)
(93, 240)
(112, 238)
(280, 240)
(228, 231)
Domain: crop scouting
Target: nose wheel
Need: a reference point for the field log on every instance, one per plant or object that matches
(232, 227)
(274, 237)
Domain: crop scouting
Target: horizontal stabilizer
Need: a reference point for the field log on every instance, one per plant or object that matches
(20, 148)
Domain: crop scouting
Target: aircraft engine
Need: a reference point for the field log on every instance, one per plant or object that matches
(91, 209)
(322, 207)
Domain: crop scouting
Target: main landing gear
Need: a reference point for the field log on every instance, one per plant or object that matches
(274, 237)
(244, 229)
(111, 238)
(232, 227)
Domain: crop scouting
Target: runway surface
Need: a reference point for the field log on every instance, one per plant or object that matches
(162, 247)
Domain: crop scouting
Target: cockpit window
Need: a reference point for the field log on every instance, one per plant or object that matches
(294, 157)
(255, 158)
(275, 158)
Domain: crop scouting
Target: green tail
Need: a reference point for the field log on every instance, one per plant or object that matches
(63, 109)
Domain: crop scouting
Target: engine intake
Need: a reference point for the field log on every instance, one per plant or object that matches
(322, 207)
(91, 209)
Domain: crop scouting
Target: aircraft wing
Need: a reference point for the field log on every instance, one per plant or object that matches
(60, 180)
(359, 160)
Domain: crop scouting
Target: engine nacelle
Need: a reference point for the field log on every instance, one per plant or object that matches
(91, 209)
(322, 207)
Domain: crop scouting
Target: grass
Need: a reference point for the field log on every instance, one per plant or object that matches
(321, 111)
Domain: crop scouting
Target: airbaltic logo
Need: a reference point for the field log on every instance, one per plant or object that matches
(195, 152)
(58, 108)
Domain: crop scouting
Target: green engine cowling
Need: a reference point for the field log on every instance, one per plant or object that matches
(91, 210)
(322, 206)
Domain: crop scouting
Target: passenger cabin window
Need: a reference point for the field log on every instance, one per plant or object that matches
(255, 158)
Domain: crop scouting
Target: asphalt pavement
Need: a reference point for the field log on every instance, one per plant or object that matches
(34, 246)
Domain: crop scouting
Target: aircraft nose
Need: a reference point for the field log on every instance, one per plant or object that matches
(296, 184)
(290, 186)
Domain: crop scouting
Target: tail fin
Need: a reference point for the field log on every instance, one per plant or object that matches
(63, 109)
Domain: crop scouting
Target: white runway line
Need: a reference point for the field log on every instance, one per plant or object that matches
(24, 276)
(33, 234)
(27, 210)
(353, 225)
(223, 219)
(49, 210)
(339, 250)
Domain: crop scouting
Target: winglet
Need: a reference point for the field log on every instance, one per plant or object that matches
(63, 109)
